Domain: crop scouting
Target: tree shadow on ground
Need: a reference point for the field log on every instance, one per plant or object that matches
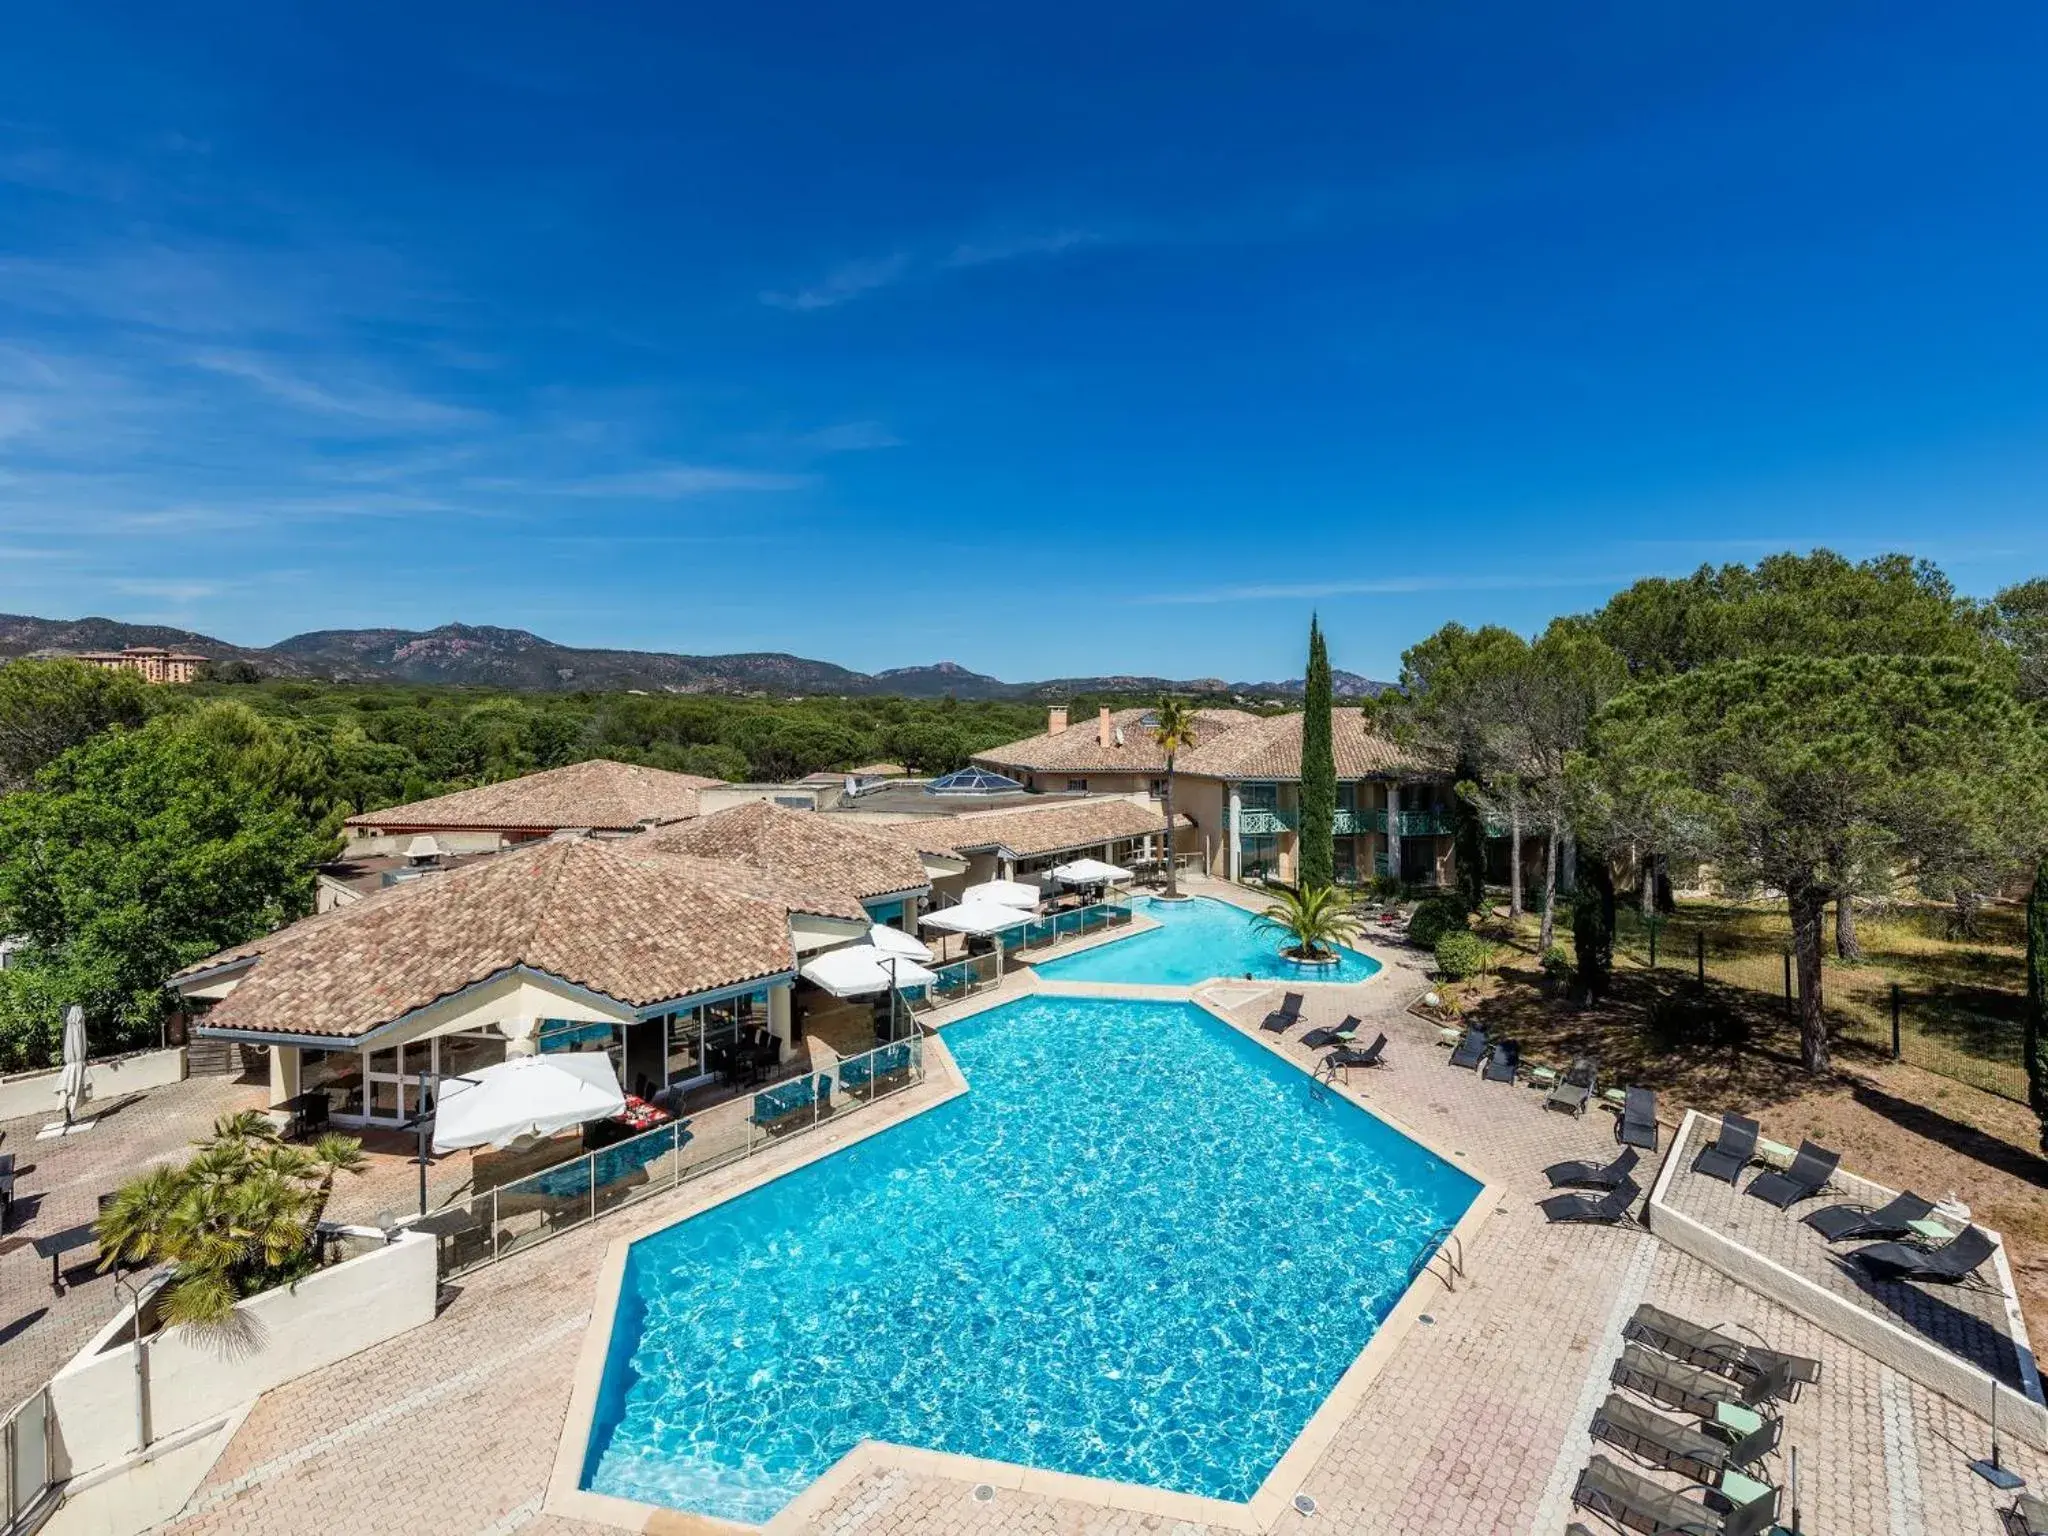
(1953, 1134)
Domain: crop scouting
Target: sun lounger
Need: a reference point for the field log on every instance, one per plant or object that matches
(1574, 1088)
(1502, 1062)
(1838, 1223)
(1344, 1058)
(1316, 1039)
(1690, 1388)
(1729, 1153)
(1649, 1436)
(2027, 1517)
(1712, 1350)
(1807, 1177)
(1285, 1017)
(1592, 1175)
(1637, 1504)
(1637, 1126)
(1951, 1264)
(1471, 1050)
(1610, 1207)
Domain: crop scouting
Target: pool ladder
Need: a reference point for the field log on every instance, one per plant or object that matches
(1444, 1244)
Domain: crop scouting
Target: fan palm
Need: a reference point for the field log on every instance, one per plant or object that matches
(1317, 918)
(1173, 728)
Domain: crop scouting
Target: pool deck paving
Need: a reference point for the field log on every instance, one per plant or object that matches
(1475, 1421)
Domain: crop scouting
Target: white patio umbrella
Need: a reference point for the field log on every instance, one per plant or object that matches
(1091, 872)
(71, 1086)
(976, 917)
(861, 970)
(1004, 893)
(894, 941)
(526, 1096)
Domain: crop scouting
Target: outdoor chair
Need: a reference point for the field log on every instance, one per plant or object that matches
(1953, 1263)
(1895, 1218)
(1692, 1389)
(2027, 1517)
(1609, 1208)
(1583, 1175)
(1712, 1350)
(1574, 1088)
(1807, 1177)
(1325, 1035)
(1471, 1050)
(1676, 1447)
(1502, 1062)
(1637, 1126)
(1285, 1017)
(1635, 1503)
(1344, 1058)
(1730, 1152)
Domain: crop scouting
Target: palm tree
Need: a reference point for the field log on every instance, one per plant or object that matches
(1318, 918)
(1173, 728)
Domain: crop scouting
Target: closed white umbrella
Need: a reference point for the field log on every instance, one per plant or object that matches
(976, 917)
(1004, 893)
(894, 941)
(526, 1096)
(861, 970)
(71, 1086)
(1092, 872)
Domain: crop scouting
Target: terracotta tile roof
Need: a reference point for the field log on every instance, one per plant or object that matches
(818, 850)
(1271, 749)
(1032, 830)
(599, 794)
(636, 924)
(1079, 749)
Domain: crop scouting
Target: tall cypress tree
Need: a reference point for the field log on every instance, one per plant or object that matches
(2034, 1043)
(1468, 843)
(1317, 865)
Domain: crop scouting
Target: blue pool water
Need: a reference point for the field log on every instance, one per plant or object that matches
(1140, 1247)
(1196, 940)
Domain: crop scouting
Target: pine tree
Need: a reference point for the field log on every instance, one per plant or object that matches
(2034, 1044)
(1317, 863)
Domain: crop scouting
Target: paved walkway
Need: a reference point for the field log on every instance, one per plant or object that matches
(1476, 1424)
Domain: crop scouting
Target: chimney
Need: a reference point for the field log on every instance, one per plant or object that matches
(1102, 727)
(1055, 720)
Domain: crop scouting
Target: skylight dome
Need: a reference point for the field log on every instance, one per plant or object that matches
(973, 781)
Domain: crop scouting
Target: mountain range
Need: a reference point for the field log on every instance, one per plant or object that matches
(485, 656)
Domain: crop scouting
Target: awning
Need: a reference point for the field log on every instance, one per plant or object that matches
(526, 1096)
(1091, 872)
(976, 917)
(894, 941)
(1004, 893)
(861, 970)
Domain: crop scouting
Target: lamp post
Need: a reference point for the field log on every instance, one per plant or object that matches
(121, 1283)
(424, 1125)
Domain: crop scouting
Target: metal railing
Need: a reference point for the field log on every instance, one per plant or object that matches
(515, 1216)
(28, 1448)
(1056, 927)
(1425, 823)
(1266, 821)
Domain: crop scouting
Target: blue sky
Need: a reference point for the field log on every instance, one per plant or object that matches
(1046, 339)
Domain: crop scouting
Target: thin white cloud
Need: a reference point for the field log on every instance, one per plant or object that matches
(851, 437)
(981, 253)
(845, 282)
(856, 278)
(664, 482)
(170, 590)
(1378, 586)
(390, 407)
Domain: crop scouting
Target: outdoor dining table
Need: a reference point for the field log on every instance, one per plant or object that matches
(54, 1245)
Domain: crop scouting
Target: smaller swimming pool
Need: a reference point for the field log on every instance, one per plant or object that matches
(1198, 940)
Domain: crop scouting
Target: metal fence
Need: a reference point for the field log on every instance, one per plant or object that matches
(1057, 927)
(955, 980)
(28, 1448)
(515, 1216)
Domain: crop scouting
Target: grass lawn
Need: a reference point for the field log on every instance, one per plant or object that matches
(1943, 1119)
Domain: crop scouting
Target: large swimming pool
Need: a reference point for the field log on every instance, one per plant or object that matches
(1140, 1247)
(1196, 940)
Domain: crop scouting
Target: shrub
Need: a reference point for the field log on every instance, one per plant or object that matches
(1557, 964)
(1385, 888)
(1460, 955)
(1434, 918)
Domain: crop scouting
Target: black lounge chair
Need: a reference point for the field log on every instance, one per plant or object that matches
(1679, 1448)
(1838, 1223)
(1712, 1350)
(1285, 1017)
(1610, 1207)
(1574, 1088)
(1729, 1153)
(1637, 1126)
(1807, 1177)
(1690, 1388)
(1322, 1036)
(1951, 1264)
(1637, 1504)
(2027, 1517)
(1502, 1062)
(1592, 1175)
(1471, 1050)
(1344, 1058)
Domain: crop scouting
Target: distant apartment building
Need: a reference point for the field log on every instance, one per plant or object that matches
(153, 662)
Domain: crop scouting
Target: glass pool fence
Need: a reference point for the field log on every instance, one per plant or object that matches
(515, 1216)
(27, 1449)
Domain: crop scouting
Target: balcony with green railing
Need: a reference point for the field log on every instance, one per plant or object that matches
(1430, 823)
(1266, 821)
(1351, 823)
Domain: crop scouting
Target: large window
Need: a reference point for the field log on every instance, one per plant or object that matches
(339, 1074)
(699, 1038)
(1260, 857)
(1259, 797)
